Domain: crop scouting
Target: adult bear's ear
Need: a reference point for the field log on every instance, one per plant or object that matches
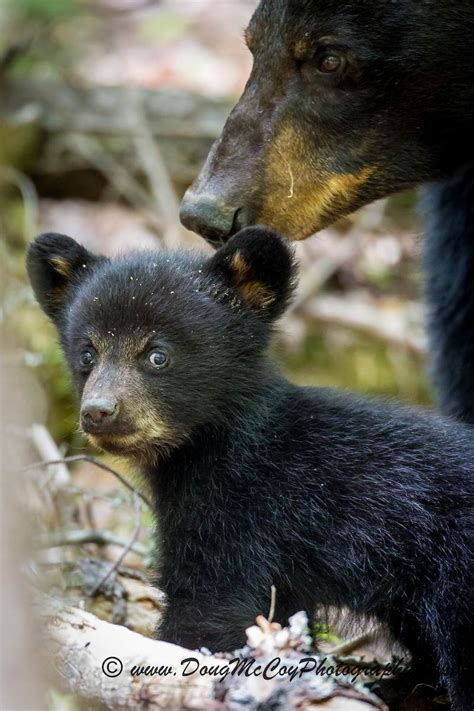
(258, 264)
(55, 264)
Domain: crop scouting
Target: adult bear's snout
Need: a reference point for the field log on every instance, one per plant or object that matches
(210, 216)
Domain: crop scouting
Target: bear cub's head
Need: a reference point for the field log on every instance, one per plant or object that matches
(162, 343)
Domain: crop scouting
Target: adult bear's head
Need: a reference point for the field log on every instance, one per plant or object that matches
(347, 102)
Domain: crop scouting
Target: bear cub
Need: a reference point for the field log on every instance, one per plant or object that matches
(334, 499)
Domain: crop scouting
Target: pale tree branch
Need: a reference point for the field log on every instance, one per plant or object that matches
(391, 327)
(59, 539)
(127, 548)
(96, 463)
(94, 659)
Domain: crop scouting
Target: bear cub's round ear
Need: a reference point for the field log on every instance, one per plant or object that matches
(258, 264)
(55, 263)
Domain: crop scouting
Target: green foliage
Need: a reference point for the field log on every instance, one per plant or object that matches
(342, 359)
(42, 354)
(45, 10)
(323, 633)
(19, 144)
(164, 25)
(49, 34)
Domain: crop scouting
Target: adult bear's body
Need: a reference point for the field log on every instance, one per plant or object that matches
(346, 103)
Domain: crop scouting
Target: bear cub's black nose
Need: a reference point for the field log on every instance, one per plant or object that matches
(98, 411)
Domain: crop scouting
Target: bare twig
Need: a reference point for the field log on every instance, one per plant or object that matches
(29, 195)
(348, 646)
(320, 271)
(78, 537)
(105, 10)
(48, 450)
(96, 463)
(127, 548)
(162, 189)
(314, 279)
(271, 613)
(119, 176)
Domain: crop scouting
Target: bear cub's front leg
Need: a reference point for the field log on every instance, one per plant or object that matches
(217, 622)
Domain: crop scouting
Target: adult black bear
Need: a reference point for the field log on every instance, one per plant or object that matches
(334, 499)
(348, 102)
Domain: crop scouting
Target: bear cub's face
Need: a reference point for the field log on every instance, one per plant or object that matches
(160, 343)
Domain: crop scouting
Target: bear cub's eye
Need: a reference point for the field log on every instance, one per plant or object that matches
(158, 359)
(330, 63)
(86, 359)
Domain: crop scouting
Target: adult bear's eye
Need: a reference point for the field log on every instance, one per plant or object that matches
(158, 359)
(330, 63)
(86, 359)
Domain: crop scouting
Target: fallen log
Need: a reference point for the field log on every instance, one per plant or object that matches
(103, 110)
(121, 669)
(184, 124)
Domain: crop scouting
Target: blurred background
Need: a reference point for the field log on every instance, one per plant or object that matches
(107, 111)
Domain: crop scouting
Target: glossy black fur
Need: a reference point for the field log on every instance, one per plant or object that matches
(449, 261)
(334, 499)
(403, 108)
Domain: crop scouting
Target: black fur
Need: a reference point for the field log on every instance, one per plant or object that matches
(449, 261)
(334, 499)
(402, 107)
